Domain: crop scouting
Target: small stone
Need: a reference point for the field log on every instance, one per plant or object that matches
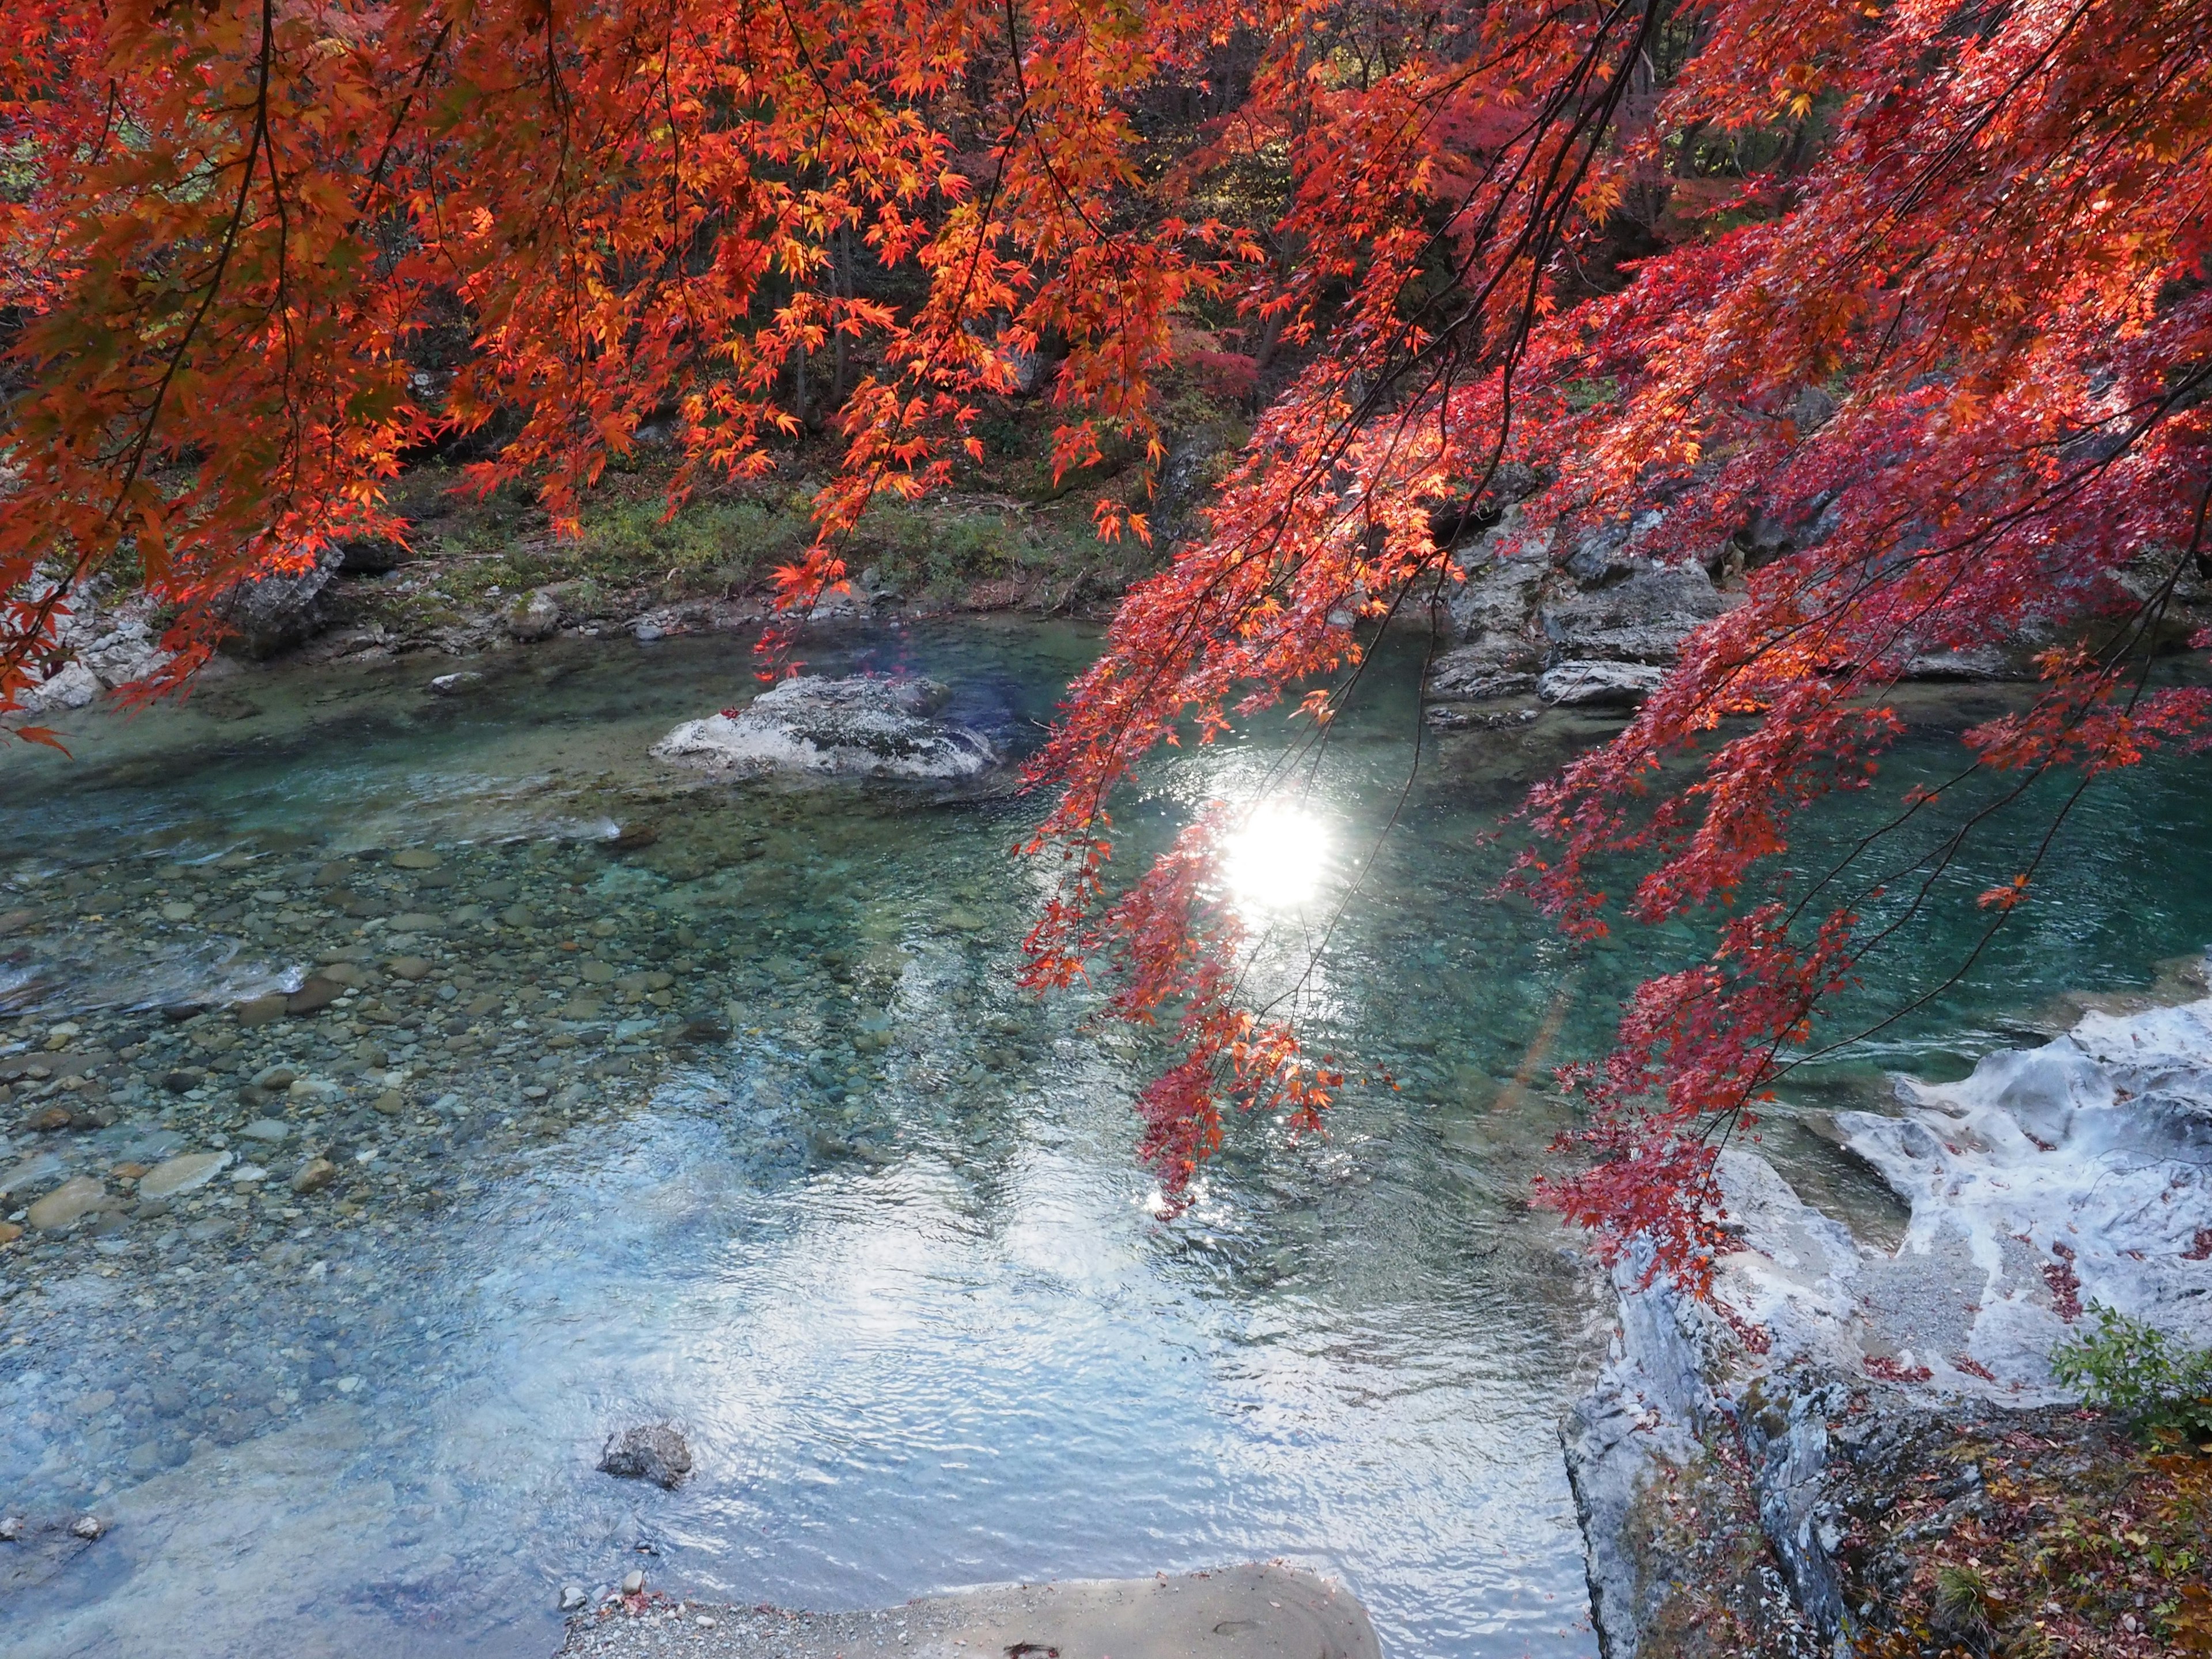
(605, 927)
(408, 968)
(534, 617)
(651, 1451)
(574, 1599)
(262, 1011)
(314, 1176)
(9, 1232)
(596, 973)
(247, 1174)
(182, 1081)
(277, 1077)
(515, 915)
(391, 1103)
(266, 1128)
(417, 922)
(178, 910)
(73, 1199)
(344, 973)
(633, 1583)
(12, 1527)
(455, 686)
(183, 1173)
(414, 858)
(87, 1527)
(313, 996)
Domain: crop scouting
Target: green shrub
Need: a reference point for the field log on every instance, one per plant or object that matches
(2133, 1371)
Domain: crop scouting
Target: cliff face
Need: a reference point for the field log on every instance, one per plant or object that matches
(1735, 1493)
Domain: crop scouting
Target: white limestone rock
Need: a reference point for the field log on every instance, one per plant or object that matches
(865, 725)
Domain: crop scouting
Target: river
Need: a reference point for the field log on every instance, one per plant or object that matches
(740, 1120)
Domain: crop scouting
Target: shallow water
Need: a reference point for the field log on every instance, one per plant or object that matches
(801, 1170)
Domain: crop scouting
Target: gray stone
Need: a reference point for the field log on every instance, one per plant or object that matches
(1985, 662)
(651, 1451)
(456, 685)
(1474, 673)
(1644, 619)
(534, 617)
(633, 1583)
(276, 612)
(574, 1598)
(865, 725)
(266, 1128)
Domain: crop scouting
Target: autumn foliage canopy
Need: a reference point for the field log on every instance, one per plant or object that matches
(1924, 282)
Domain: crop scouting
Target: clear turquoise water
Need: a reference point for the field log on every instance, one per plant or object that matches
(882, 1250)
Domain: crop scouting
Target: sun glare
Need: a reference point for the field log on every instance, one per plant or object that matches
(1277, 860)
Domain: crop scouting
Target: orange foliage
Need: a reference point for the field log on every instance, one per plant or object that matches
(1925, 280)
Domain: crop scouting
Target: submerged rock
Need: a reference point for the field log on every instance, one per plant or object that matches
(184, 1174)
(867, 726)
(651, 1451)
(76, 1197)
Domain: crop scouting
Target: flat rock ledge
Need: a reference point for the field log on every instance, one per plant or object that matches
(865, 725)
(1251, 1612)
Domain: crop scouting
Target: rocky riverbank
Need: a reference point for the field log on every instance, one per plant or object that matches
(1853, 1449)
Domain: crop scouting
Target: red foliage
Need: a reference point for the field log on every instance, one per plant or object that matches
(1924, 284)
(1889, 1370)
(2065, 1284)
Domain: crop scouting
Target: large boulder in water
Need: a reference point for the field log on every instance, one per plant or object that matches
(865, 725)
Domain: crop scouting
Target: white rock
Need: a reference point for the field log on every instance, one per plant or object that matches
(867, 725)
(73, 686)
(2087, 1159)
